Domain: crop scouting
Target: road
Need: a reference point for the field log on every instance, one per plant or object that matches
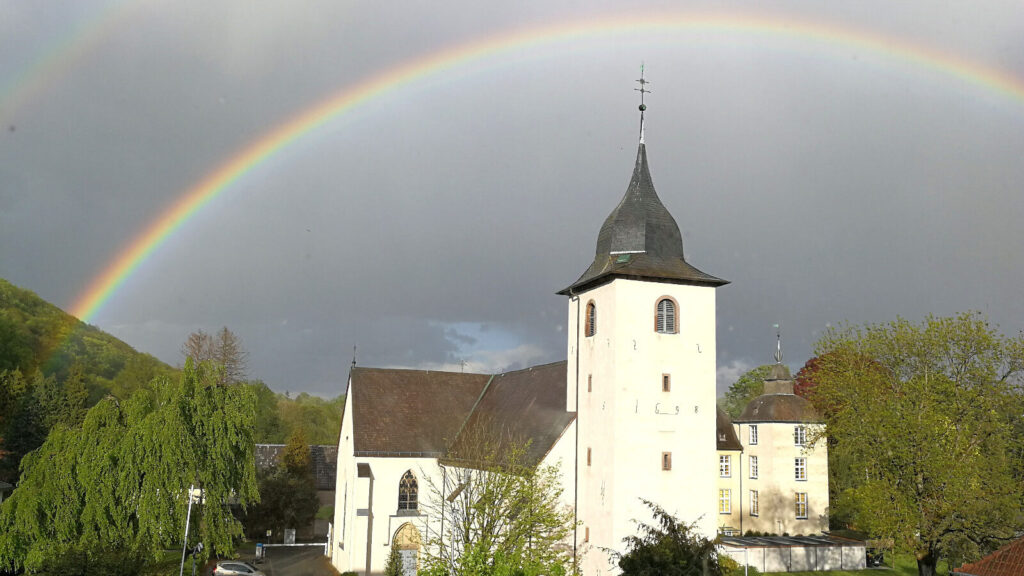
(299, 561)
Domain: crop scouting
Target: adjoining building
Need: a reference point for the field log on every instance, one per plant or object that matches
(324, 460)
(630, 414)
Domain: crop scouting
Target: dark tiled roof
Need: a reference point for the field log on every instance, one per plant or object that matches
(640, 239)
(779, 408)
(1007, 561)
(410, 412)
(525, 407)
(324, 459)
(725, 434)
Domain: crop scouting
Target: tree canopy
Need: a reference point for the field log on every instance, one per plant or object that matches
(928, 416)
(749, 386)
(118, 485)
(668, 547)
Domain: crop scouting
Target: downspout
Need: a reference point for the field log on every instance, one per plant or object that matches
(739, 469)
(576, 459)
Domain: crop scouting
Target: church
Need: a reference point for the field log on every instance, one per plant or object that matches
(630, 414)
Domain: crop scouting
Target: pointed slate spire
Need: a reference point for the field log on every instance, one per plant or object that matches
(640, 238)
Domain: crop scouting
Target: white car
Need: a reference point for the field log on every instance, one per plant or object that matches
(236, 568)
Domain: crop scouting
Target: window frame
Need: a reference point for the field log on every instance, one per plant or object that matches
(752, 465)
(675, 316)
(725, 466)
(725, 501)
(799, 435)
(801, 504)
(408, 493)
(753, 435)
(590, 322)
(800, 468)
(754, 507)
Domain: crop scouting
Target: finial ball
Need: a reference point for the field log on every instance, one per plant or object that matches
(643, 107)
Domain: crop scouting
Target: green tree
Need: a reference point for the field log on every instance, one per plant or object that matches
(269, 427)
(924, 414)
(749, 386)
(501, 512)
(669, 547)
(393, 567)
(114, 492)
(297, 459)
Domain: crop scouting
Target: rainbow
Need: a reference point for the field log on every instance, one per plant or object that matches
(60, 57)
(103, 286)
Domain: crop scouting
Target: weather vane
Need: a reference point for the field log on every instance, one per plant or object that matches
(778, 344)
(642, 90)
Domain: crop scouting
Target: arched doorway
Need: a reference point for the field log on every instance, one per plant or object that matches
(407, 541)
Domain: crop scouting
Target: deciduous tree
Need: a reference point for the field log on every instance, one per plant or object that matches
(668, 547)
(501, 513)
(749, 386)
(925, 414)
(118, 486)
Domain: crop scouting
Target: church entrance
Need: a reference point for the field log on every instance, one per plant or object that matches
(407, 540)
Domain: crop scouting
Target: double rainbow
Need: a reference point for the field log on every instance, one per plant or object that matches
(103, 286)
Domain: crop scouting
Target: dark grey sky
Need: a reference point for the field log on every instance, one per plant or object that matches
(828, 181)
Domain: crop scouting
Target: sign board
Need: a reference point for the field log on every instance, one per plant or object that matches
(289, 535)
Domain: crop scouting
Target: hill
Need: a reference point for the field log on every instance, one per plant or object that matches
(36, 335)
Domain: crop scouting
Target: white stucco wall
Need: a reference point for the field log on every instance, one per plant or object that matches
(628, 422)
(776, 483)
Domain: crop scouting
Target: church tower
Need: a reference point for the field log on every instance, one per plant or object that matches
(641, 375)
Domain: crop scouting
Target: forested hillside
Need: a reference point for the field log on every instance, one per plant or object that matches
(54, 367)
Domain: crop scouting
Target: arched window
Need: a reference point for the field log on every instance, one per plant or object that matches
(591, 328)
(665, 319)
(408, 492)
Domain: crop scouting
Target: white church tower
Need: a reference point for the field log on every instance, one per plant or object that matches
(641, 376)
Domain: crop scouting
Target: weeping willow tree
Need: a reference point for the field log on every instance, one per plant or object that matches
(113, 493)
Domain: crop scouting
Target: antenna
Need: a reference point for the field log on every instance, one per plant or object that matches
(642, 90)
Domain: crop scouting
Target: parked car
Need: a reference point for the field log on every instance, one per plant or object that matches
(236, 568)
(875, 558)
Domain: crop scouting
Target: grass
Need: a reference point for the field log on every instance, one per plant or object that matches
(906, 565)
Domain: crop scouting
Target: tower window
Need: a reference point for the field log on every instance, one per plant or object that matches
(666, 382)
(799, 435)
(753, 434)
(665, 318)
(725, 466)
(753, 467)
(588, 456)
(590, 382)
(666, 460)
(753, 503)
(408, 492)
(591, 326)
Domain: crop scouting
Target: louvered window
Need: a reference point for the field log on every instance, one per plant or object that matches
(665, 319)
(591, 327)
(408, 492)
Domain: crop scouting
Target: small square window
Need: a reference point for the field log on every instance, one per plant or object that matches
(666, 460)
(666, 382)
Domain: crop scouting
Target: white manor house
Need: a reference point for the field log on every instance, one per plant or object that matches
(630, 414)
